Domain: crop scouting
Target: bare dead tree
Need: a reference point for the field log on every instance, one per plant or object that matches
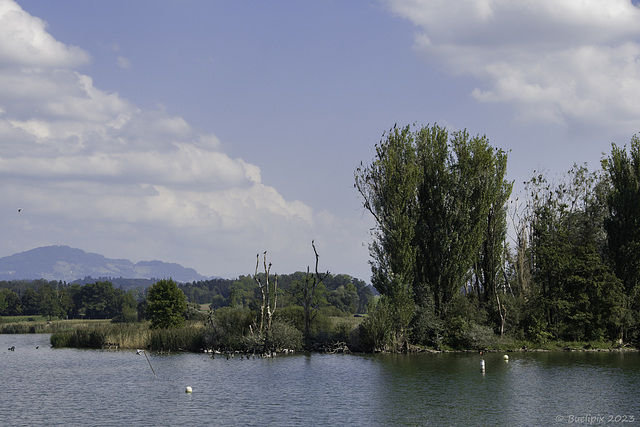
(307, 293)
(268, 291)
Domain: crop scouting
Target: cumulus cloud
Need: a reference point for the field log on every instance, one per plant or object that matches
(91, 170)
(554, 60)
(24, 41)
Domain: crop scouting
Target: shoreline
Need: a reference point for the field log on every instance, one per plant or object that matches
(137, 335)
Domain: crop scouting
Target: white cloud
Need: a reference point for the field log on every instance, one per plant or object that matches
(554, 60)
(92, 170)
(24, 41)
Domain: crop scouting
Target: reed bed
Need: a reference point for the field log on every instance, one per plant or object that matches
(132, 336)
(190, 338)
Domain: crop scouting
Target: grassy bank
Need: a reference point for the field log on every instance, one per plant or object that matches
(132, 336)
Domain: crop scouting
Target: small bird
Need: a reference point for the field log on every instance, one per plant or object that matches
(19, 209)
(139, 352)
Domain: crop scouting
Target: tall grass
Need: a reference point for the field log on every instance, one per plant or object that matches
(132, 336)
(22, 325)
(188, 339)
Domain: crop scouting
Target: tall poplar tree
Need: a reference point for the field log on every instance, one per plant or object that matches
(461, 187)
(389, 189)
(432, 198)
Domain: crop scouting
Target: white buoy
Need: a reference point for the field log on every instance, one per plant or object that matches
(506, 358)
(188, 390)
(482, 365)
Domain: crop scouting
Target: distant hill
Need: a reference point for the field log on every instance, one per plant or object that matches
(68, 264)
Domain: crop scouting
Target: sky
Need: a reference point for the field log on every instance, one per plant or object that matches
(204, 132)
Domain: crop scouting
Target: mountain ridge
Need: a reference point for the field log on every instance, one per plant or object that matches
(59, 262)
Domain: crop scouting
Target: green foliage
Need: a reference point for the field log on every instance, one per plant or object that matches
(3, 301)
(194, 313)
(537, 331)
(80, 338)
(389, 190)
(427, 328)
(577, 290)
(129, 309)
(623, 228)
(344, 298)
(99, 300)
(292, 315)
(184, 339)
(167, 304)
(282, 336)
(439, 206)
(229, 327)
(464, 334)
(10, 305)
(375, 330)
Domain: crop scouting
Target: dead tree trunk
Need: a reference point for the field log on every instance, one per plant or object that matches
(308, 293)
(269, 294)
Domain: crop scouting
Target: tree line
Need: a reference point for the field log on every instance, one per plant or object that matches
(59, 300)
(459, 262)
(339, 295)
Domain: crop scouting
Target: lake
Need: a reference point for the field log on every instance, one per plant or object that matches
(45, 386)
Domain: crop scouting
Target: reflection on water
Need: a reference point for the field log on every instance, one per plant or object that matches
(47, 386)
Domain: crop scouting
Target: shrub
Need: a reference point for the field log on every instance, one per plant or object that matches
(292, 315)
(537, 331)
(283, 336)
(229, 327)
(321, 328)
(426, 328)
(376, 328)
(193, 312)
(463, 334)
(341, 331)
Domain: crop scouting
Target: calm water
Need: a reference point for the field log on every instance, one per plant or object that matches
(46, 386)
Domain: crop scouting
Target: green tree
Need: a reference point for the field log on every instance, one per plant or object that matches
(49, 301)
(389, 188)
(30, 302)
(489, 266)
(128, 312)
(12, 301)
(462, 184)
(3, 303)
(166, 304)
(100, 300)
(575, 288)
(623, 226)
(435, 200)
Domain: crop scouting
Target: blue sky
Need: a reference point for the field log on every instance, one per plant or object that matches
(204, 132)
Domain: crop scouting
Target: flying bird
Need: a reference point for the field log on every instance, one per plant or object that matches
(19, 209)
